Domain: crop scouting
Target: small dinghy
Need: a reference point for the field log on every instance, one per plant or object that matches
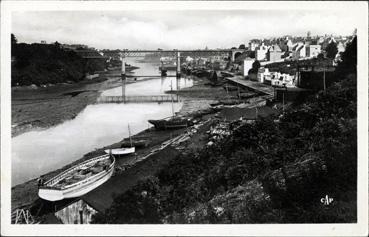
(121, 151)
(79, 179)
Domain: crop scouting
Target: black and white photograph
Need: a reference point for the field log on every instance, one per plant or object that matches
(145, 118)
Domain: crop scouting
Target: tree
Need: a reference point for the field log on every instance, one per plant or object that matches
(331, 50)
(320, 56)
(348, 62)
(256, 65)
(57, 44)
(242, 46)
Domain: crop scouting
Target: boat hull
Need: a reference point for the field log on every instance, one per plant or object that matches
(78, 189)
(57, 195)
(121, 151)
(163, 124)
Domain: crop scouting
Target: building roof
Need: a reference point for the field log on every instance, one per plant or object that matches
(275, 48)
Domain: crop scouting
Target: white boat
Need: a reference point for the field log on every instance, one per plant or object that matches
(79, 179)
(120, 151)
(124, 150)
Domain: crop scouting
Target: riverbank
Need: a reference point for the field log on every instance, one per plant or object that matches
(41, 108)
(195, 98)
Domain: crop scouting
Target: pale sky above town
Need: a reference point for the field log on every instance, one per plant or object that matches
(189, 29)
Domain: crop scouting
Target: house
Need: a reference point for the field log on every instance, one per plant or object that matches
(260, 52)
(340, 47)
(313, 50)
(253, 45)
(274, 53)
(279, 79)
(298, 51)
(263, 75)
(289, 44)
(246, 66)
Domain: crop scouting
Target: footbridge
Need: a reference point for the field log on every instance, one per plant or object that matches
(138, 99)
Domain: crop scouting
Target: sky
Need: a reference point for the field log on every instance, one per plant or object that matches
(190, 29)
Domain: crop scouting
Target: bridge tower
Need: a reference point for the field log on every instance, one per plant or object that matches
(178, 74)
(123, 76)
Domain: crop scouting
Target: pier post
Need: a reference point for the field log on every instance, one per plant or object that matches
(123, 75)
(178, 74)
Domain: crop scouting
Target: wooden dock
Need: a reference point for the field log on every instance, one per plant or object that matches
(138, 99)
(253, 85)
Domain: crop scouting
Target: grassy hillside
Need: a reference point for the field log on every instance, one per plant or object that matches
(271, 171)
(41, 64)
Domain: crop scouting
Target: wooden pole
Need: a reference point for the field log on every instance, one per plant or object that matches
(172, 106)
(283, 101)
(178, 75)
(324, 86)
(129, 133)
(123, 75)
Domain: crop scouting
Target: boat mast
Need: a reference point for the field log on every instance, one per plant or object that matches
(172, 106)
(129, 133)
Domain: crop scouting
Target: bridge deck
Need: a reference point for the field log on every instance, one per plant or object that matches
(257, 86)
(138, 99)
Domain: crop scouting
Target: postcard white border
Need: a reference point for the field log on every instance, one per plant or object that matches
(359, 9)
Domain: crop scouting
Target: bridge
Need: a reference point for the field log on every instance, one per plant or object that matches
(159, 52)
(138, 99)
(232, 53)
(89, 54)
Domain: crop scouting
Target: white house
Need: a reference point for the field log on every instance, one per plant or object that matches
(279, 79)
(261, 52)
(274, 53)
(263, 74)
(247, 65)
(313, 50)
(340, 47)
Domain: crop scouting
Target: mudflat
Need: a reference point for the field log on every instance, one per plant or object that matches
(34, 108)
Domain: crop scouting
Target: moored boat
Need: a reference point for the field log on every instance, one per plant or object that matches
(121, 151)
(79, 179)
(173, 123)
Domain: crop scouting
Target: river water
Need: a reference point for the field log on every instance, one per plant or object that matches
(38, 152)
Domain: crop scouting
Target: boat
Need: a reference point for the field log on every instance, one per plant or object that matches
(172, 123)
(121, 151)
(79, 179)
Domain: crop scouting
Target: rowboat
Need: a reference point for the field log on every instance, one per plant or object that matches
(121, 151)
(79, 179)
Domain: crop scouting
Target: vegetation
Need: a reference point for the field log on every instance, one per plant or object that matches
(255, 67)
(40, 64)
(273, 170)
(331, 50)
